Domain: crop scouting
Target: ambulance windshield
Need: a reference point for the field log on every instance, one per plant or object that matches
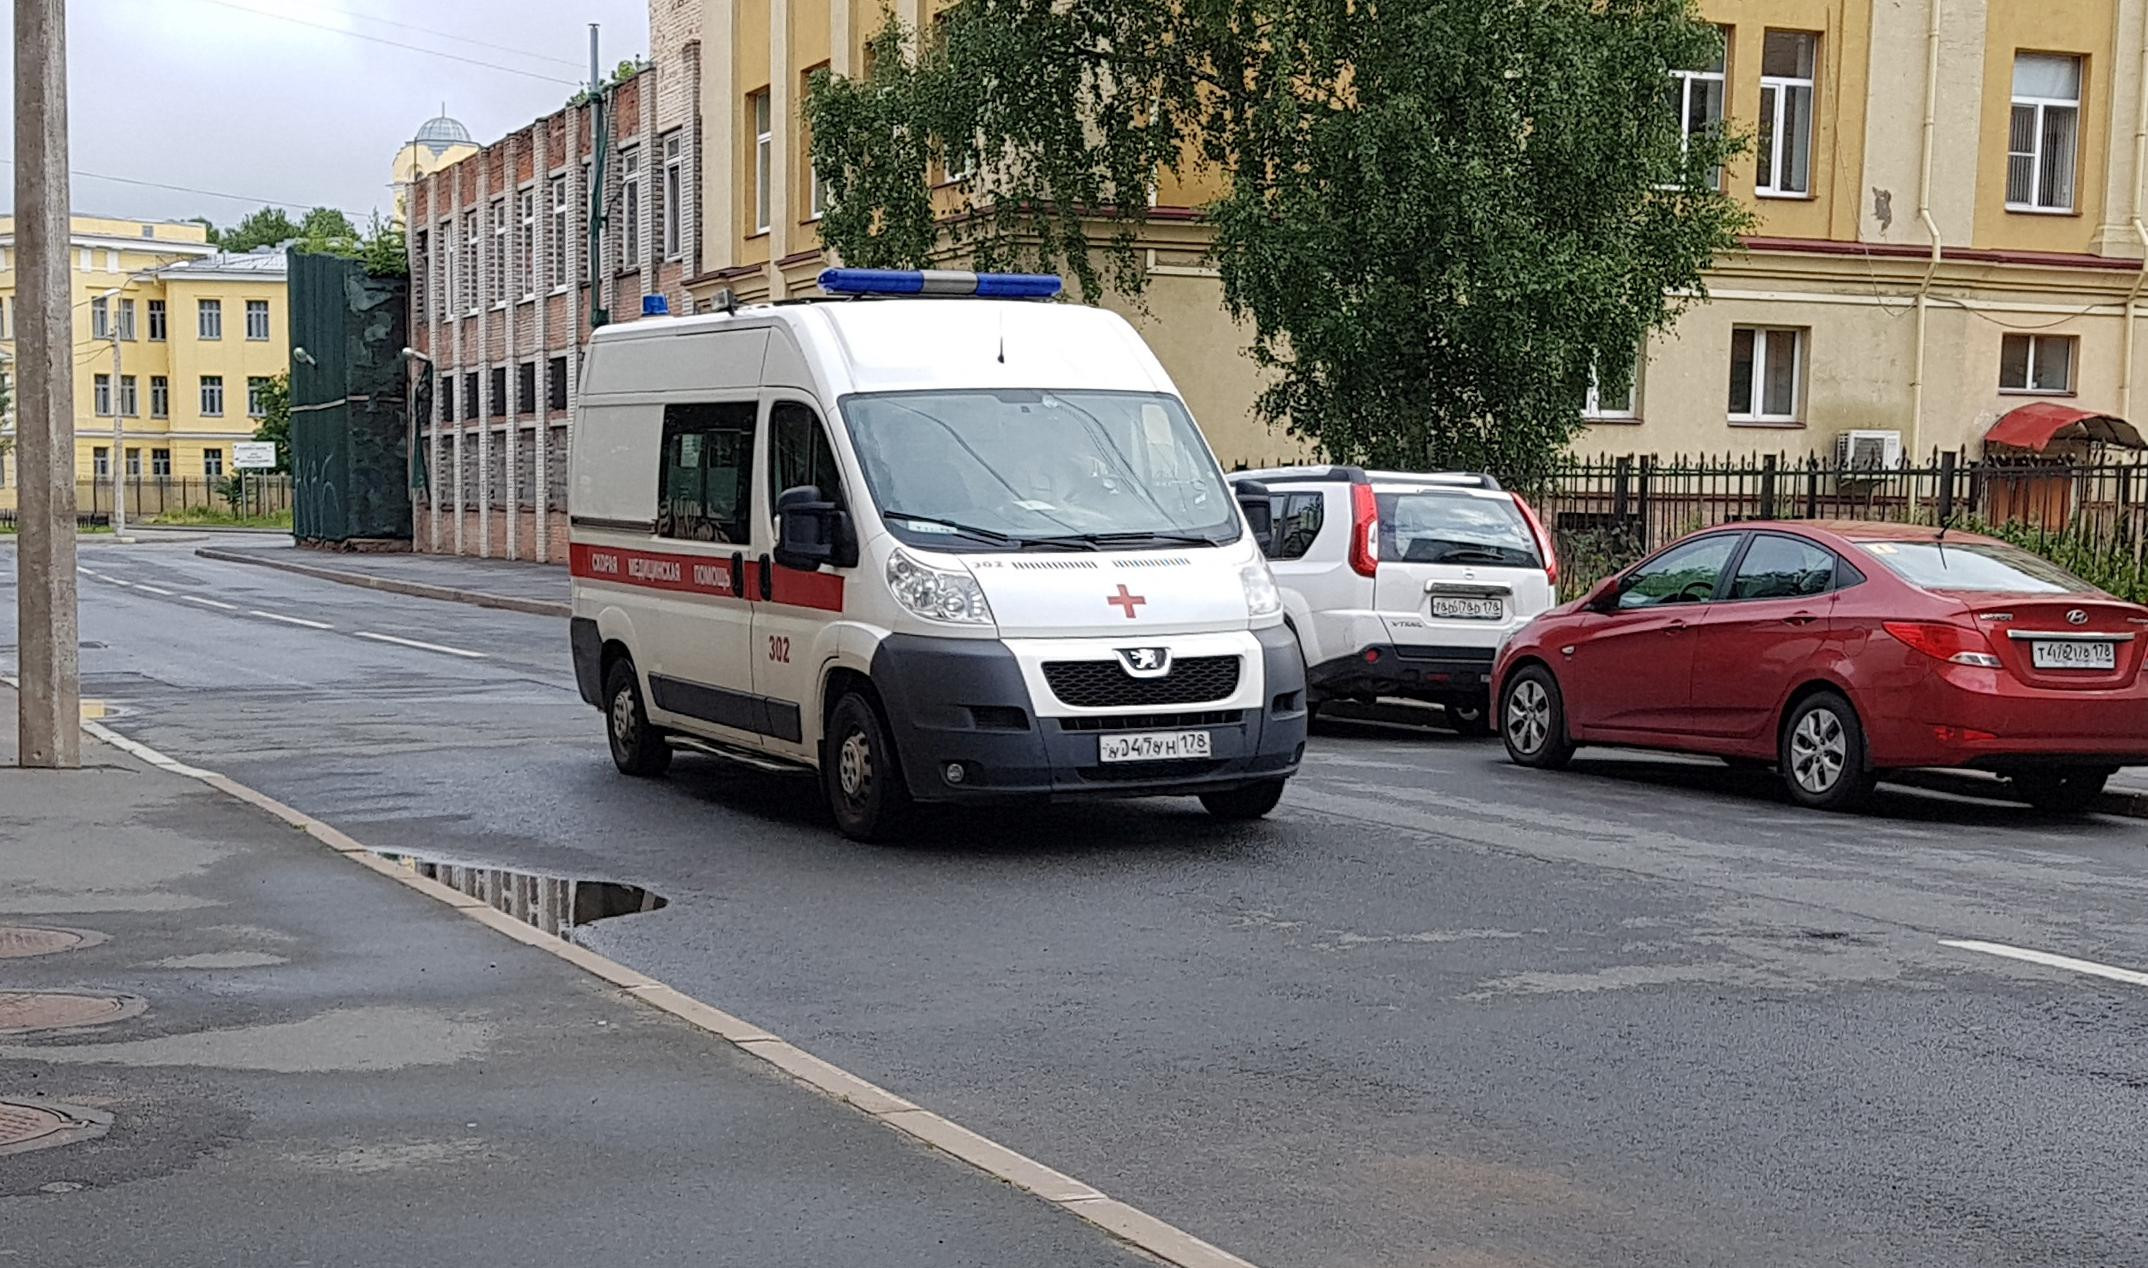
(1015, 470)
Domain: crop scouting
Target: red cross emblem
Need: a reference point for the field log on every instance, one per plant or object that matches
(1124, 601)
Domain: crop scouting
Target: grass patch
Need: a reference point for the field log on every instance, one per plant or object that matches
(219, 517)
(8, 528)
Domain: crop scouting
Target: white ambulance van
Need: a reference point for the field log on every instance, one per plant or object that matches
(934, 537)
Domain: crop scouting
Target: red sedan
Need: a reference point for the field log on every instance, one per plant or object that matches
(1836, 651)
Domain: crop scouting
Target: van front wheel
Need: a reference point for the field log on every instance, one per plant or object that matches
(637, 748)
(858, 772)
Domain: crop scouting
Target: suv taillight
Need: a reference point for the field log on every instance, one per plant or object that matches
(1543, 540)
(1943, 640)
(1364, 531)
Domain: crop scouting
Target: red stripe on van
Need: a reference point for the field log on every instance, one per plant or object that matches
(701, 574)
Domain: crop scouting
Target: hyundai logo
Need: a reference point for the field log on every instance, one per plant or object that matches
(1146, 662)
(2077, 617)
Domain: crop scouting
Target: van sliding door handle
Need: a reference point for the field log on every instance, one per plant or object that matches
(738, 574)
(768, 578)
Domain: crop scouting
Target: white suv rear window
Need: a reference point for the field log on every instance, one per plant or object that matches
(1437, 527)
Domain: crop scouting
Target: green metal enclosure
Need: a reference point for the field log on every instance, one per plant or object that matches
(350, 422)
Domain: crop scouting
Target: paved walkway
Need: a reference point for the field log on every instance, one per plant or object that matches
(500, 583)
(295, 1060)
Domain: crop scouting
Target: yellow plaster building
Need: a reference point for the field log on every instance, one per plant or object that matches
(173, 338)
(1839, 316)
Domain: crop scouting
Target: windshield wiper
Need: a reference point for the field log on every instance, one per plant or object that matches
(1098, 541)
(1470, 555)
(967, 530)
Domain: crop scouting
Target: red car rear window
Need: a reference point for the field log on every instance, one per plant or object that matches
(1988, 566)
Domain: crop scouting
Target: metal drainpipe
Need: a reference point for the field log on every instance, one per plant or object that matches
(2140, 231)
(1931, 227)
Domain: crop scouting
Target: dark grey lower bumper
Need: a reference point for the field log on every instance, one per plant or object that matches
(1439, 674)
(962, 703)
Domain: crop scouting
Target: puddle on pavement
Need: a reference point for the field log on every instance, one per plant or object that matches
(556, 904)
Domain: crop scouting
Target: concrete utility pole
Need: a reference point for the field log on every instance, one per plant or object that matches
(49, 720)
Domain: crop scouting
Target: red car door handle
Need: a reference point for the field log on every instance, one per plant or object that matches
(1674, 627)
(1800, 618)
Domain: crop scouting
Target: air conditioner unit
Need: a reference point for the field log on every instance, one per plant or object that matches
(1874, 451)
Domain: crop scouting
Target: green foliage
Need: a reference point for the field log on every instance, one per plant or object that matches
(323, 223)
(276, 418)
(1436, 217)
(323, 231)
(264, 228)
(2109, 561)
(220, 517)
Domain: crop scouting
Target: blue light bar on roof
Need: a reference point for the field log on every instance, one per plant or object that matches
(939, 282)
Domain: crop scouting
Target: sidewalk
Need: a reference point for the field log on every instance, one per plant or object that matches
(292, 1059)
(493, 583)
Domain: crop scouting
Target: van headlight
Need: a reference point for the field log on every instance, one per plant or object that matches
(935, 594)
(1262, 598)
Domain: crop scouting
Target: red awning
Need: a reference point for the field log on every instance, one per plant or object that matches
(2035, 427)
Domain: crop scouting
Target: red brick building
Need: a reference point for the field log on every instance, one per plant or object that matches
(502, 291)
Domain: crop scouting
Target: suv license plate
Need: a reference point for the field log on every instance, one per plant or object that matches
(2072, 654)
(1469, 609)
(1152, 746)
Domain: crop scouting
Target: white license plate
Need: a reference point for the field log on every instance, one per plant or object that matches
(1152, 746)
(2073, 654)
(1469, 609)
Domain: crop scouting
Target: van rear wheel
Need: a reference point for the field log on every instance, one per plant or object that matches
(638, 748)
(859, 774)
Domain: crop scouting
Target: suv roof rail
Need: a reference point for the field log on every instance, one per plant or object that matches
(1303, 475)
(1452, 479)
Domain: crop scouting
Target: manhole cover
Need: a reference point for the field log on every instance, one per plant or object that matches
(25, 1125)
(21, 941)
(25, 1011)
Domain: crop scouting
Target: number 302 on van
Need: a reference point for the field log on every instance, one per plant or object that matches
(934, 538)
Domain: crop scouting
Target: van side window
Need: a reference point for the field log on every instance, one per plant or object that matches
(799, 453)
(1296, 524)
(705, 487)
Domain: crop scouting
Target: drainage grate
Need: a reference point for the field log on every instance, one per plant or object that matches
(24, 1011)
(25, 1125)
(18, 942)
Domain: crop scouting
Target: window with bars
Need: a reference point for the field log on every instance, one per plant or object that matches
(556, 272)
(445, 277)
(496, 257)
(670, 208)
(2037, 363)
(1697, 97)
(469, 395)
(2043, 132)
(421, 271)
(526, 242)
(499, 392)
(630, 208)
(446, 390)
(1784, 159)
(526, 388)
(1767, 364)
(556, 383)
(466, 268)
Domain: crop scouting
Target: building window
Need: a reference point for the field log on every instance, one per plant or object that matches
(2037, 363)
(1611, 396)
(100, 318)
(126, 319)
(257, 320)
(673, 205)
(130, 399)
(816, 188)
(526, 388)
(160, 463)
(499, 392)
(629, 208)
(1766, 363)
(496, 261)
(444, 280)
(447, 398)
(212, 463)
(134, 464)
(1697, 96)
(160, 396)
(158, 326)
(469, 395)
(101, 463)
(526, 241)
(7, 306)
(1785, 144)
(757, 109)
(421, 272)
(209, 318)
(556, 274)
(257, 397)
(472, 250)
(556, 383)
(2043, 132)
(212, 395)
(101, 395)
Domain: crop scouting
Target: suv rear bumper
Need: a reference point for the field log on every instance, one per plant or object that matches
(1410, 671)
(953, 701)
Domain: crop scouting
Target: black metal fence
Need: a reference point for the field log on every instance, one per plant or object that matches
(148, 497)
(2090, 514)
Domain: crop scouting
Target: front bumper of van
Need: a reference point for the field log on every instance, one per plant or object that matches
(961, 705)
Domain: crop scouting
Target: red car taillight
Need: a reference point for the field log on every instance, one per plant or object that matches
(1543, 541)
(1955, 644)
(1364, 531)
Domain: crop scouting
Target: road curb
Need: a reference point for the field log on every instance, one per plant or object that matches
(366, 580)
(1118, 1220)
(2128, 805)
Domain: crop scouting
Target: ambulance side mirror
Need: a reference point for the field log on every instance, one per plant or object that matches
(811, 531)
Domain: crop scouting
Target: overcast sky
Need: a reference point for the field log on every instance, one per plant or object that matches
(220, 95)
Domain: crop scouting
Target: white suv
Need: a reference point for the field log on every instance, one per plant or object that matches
(1400, 584)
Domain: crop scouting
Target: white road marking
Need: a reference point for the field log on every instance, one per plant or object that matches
(425, 647)
(87, 572)
(289, 620)
(210, 603)
(117, 582)
(2130, 976)
(141, 585)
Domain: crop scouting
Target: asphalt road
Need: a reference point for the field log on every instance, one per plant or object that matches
(1436, 1011)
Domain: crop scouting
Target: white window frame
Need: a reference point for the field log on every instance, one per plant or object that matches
(764, 149)
(1592, 407)
(1686, 79)
(101, 395)
(562, 230)
(630, 208)
(473, 252)
(101, 463)
(496, 264)
(130, 396)
(444, 272)
(159, 321)
(212, 390)
(134, 463)
(526, 239)
(212, 463)
(672, 200)
(100, 317)
(209, 319)
(258, 307)
(2028, 381)
(2035, 153)
(126, 319)
(257, 396)
(1758, 386)
(160, 455)
(160, 396)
